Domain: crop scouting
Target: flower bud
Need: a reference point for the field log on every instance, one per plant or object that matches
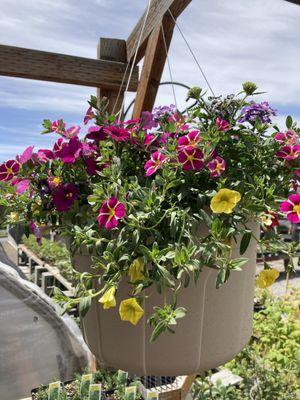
(194, 93)
(249, 87)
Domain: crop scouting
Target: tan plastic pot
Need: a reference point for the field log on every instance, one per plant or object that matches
(217, 326)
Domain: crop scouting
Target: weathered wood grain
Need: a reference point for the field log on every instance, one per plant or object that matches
(112, 50)
(54, 67)
(154, 62)
(158, 9)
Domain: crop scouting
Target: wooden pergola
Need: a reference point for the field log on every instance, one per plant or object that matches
(107, 72)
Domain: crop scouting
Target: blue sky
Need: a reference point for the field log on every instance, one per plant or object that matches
(234, 40)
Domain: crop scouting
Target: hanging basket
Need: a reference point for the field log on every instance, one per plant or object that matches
(217, 326)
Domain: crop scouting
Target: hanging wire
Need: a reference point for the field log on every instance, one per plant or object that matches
(162, 84)
(134, 58)
(192, 53)
(169, 66)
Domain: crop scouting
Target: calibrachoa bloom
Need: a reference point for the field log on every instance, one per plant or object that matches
(9, 169)
(292, 208)
(88, 115)
(189, 141)
(288, 138)
(110, 213)
(68, 152)
(136, 270)
(216, 166)
(289, 152)
(222, 125)
(191, 159)
(164, 112)
(58, 126)
(54, 182)
(96, 133)
(108, 299)
(44, 155)
(64, 196)
(261, 111)
(26, 155)
(156, 161)
(118, 134)
(130, 311)
(269, 220)
(147, 120)
(267, 277)
(225, 201)
(22, 185)
(71, 132)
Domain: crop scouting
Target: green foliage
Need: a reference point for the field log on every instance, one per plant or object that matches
(54, 253)
(270, 364)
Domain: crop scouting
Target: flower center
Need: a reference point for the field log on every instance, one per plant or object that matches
(56, 181)
(296, 208)
(9, 170)
(69, 195)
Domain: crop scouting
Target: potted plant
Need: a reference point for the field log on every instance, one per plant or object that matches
(162, 218)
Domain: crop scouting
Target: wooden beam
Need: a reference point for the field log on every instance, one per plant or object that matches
(112, 50)
(53, 67)
(294, 1)
(158, 9)
(153, 67)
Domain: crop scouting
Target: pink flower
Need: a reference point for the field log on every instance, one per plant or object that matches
(92, 166)
(191, 159)
(71, 132)
(9, 169)
(150, 140)
(26, 155)
(156, 161)
(118, 134)
(189, 141)
(289, 152)
(297, 173)
(65, 196)
(45, 155)
(88, 149)
(58, 126)
(288, 137)
(110, 213)
(292, 208)
(147, 120)
(68, 152)
(216, 166)
(22, 185)
(222, 125)
(88, 115)
(96, 133)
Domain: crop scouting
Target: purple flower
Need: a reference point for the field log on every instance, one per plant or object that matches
(147, 120)
(261, 111)
(216, 166)
(65, 196)
(26, 155)
(164, 112)
(68, 152)
(110, 212)
(96, 133)
(22, 185)
(9, 169)
(38, 232)
(44, 155)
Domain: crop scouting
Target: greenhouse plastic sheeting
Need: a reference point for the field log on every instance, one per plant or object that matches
(37, 345)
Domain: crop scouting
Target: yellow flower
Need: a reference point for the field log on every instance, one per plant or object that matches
(225, 201)
(136, 270)
(15, 216)
(131, 311)
(266, 278)
(108, 299)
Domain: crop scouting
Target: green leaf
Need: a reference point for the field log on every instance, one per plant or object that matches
(289, 122)
(84, 305)
(245, 242)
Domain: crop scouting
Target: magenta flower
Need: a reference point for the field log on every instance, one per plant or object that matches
(65, 196)
(297, 173)
(110, 213)
(9, 169)
(58, 126)
(292, 208)
(22, 185)
(289, 152)
(216, 166)
(92, 166)
(118, 134)
(191, 159)
(68, 152)
(45, 155)
(147, 120)
(150, 140)
(156, 161)
(36, 231)
(189, 141)
(288, 138)
(26, 155)
(222, 125)
(88, 115)
(71, 132)
(96, 133)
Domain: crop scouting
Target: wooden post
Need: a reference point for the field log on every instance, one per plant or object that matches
(112, 50)
(155, 58)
